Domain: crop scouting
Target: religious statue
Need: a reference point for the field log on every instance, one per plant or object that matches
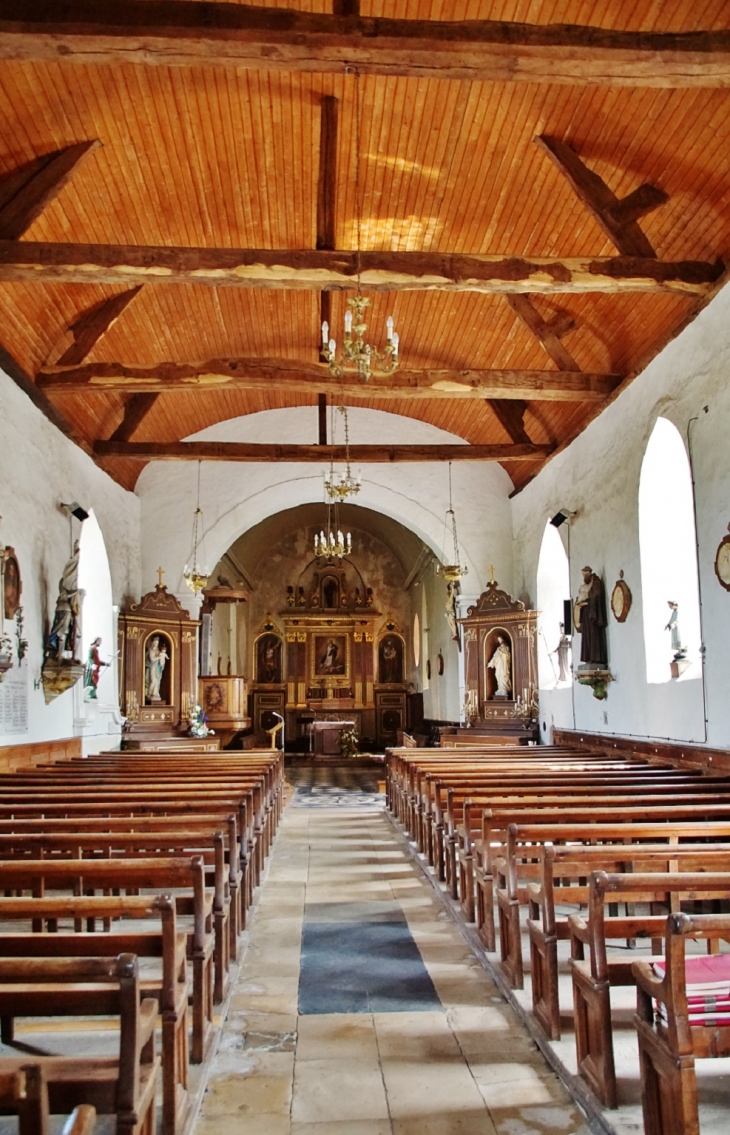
(62, 639)
(94, 666)
(500, 662)
(157, 657)
(590, 620)
(562, 650)
(451, 593)
(679, 651)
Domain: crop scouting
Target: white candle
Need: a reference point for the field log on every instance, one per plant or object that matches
(396, 341)
(325, 332)
(389, 326)
(348, 321)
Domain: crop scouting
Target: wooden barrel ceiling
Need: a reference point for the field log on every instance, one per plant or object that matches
(545, 203)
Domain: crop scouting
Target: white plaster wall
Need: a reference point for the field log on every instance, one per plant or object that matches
(598, 475)
(38, 468)
(234, 496)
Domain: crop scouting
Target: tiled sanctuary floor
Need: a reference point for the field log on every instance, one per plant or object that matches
(427, 1045)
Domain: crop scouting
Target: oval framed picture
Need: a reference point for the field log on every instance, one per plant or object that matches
(12, 586)
(621, 600)
(722, 562)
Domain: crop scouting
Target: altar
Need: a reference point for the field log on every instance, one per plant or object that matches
(325, 737)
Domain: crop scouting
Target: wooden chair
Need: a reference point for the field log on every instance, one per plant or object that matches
(674, 1031)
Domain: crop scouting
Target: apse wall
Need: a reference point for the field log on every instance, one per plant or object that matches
(38, 468)
(597, 476)
(235, 497)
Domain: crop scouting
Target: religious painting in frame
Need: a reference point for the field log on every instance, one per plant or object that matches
(390, 659)
(12, 586)
(330, 655)
(214, 697)
(268, 659)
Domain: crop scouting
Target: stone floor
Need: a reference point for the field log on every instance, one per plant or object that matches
(359, 1008)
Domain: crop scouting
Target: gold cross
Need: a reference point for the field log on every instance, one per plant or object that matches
(491, 573)
(160, 573)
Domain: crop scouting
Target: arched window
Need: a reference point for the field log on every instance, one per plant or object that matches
(553, 587)
(97, 616)
(667, 545)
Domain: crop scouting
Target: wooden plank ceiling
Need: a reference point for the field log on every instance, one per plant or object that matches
(215, 157)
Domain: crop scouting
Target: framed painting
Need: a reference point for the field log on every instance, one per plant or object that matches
(330, 656)
(390, 659)
(268, 659)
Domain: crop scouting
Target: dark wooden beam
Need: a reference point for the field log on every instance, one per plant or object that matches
(616, 218)
(548, 333)
(313, 270)
(90, 327)
(345, 7)
(184, 33)
(135, 411)
(510, 416)
(381, 454)
(327, 183)
(46, 178)
(39, 398)
(313, 379)
(322, 418)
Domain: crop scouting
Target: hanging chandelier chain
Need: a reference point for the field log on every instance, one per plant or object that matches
(357, 355)
(454, 571)
(195, 574)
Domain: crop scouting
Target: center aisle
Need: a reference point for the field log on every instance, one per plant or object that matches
(359, 1008)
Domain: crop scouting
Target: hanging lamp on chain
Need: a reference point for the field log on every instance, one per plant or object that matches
(356, 354)
(454, 571)
(195, 572)
(345, 484)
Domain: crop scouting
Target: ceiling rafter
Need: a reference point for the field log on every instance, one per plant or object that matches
(311, 269)
(184, 32)
(617, 218)
(311, 378)
(547, 332)
(511, 417)
(363, 454)
(29, 190)
(92, 325)
(136, 410)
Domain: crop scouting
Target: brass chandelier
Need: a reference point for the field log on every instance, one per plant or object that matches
(358, 356)
(346, 485)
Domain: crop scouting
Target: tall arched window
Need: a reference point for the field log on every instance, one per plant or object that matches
(97, 617)
(553, 586)
(667, 545)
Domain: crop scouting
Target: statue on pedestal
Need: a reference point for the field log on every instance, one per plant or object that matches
(154, 666)
(63, 635)
(590, 621)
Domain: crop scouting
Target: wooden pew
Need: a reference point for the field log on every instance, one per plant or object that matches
(170, 988)
(593, 977)
(24, 1092)
(158, 874)
(564, 878)
(671, 1036)
(70, 987)
(507, 868)
(127, 845)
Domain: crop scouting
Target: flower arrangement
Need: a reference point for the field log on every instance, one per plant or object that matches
(349, 742)
(199, 723)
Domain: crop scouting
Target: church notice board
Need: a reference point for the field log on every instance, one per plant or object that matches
(14, 701)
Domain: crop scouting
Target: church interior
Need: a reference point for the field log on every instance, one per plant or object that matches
(364, 567)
